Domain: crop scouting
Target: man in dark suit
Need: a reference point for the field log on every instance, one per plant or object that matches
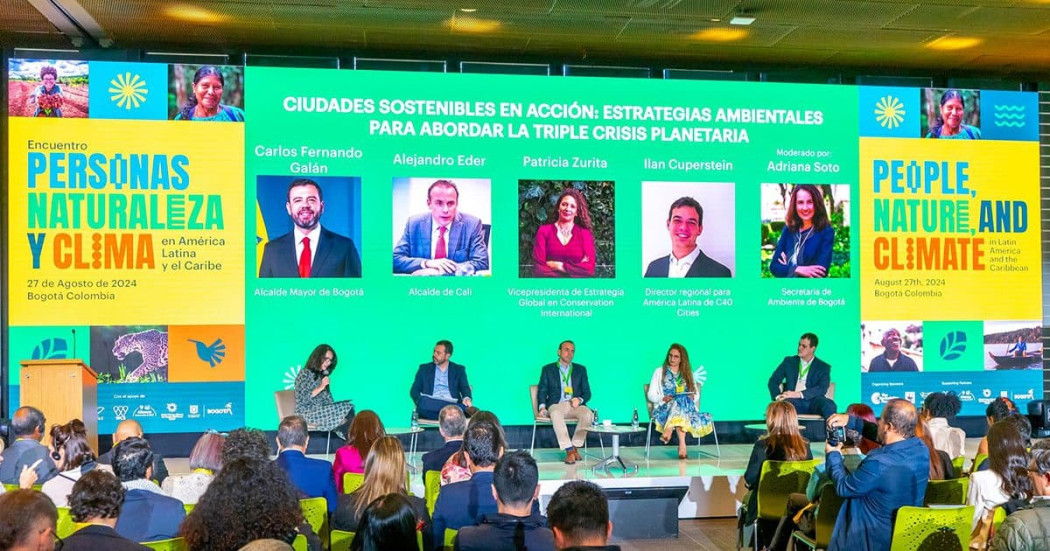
(561, 395)
(27, 428)
(440, 383)
(96, 500)
(148, 514)
(309, 250)
(464, 503)
(443, 241)
(131, 428)
(805, 379)
(516, 485)
(892, 358)
(451, 424)
(685, 223)
(313, 477)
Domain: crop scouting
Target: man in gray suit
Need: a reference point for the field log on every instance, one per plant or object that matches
(443, 241)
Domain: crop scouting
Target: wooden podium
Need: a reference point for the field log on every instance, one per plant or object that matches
(64, 390)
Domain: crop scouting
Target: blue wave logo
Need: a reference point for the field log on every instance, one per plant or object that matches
(51, 349)
(1010, 116)
(953, 345)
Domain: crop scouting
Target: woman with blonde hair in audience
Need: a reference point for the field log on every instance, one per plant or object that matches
(205, 462)
(384, 474)
(73, 458)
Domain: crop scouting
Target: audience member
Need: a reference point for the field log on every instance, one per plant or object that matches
(452, 423)
(27, 521)
(938, 409)
(27, 478)
(250, 499)
(515, 484)
(73, 458)
(267, 545)
(96, 501)
(1029, 529)
(890, 477)
(364, 430)
(384, 474)
(865, 413)
(27, 430)
(388, 524)
(148, 514)
(205, 461)
(1006, 479)
(464, 503)
(1023, 426)
(578, 515)
(455, 468)
(245, 443)
(127, 429)
(313, 477)
(997, 410)
(781, 443)
(941, 467)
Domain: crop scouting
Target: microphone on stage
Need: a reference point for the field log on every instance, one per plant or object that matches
(74, 342)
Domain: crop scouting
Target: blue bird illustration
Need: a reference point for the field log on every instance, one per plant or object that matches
(212, 353)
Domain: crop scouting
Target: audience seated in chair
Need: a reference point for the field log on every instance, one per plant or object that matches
(69, 444)
(127, 429)
(516, 487)
(205, 461)
(452, 423)
(364, 430)
(384, 474)
(578, 515)
(999, 409)
(455, 468)
(313, 477)
(250, 499)
(464, 503)
(96, 500)
(1006, 479)
(245, 443)
(147, 514)
(27, 430)
(389, 522)
(941, 467)
(1028, 529)
(937, 410)
(27, 521)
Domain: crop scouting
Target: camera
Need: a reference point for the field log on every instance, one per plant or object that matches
(836, 435)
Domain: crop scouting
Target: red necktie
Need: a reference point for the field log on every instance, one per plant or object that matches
(304, 259)
(439, 250)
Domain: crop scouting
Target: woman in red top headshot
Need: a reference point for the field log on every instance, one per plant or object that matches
(566, 247)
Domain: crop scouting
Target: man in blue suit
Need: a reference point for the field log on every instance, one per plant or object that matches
(465, 503)
(451, 424)
(148, 513)
(440, 383)
(444, 241)
(805, 379)
(685, 223)
(562, 394)
(887, 479)
(313, 477)
(309, 250)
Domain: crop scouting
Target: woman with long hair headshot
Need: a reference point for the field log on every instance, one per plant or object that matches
(365, 429)
(565, 248)
(676, 400)
(313, 395)
(806, 242)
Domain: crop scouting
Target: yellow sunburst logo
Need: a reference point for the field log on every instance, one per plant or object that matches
(889, 111)
(129, 91)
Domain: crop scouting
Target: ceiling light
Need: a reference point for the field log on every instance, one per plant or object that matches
(196, 14)
(720, 34)
(468, 10)
(715, 20)
(742, 20)
(950, 43)
(469, 24)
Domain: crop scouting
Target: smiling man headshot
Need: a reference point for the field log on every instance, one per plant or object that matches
(685, 223)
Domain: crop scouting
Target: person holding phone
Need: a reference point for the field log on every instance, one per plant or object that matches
(676, 399)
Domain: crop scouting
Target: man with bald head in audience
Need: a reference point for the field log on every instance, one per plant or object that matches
(27, 429)
(128, 429)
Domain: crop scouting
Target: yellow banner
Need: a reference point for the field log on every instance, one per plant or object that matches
(126, 222)
(949, 230)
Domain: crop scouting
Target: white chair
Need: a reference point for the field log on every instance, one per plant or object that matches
(649, 432)
(286, 406)
(830, 395)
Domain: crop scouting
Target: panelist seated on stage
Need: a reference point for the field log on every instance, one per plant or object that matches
(562, 393)
(443, 241)
(440, 383)
(309, 250)
(805, 378)
(892, 359)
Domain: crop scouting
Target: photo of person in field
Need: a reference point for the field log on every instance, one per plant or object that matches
(48, 88)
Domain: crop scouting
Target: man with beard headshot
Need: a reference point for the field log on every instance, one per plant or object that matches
(309, 250)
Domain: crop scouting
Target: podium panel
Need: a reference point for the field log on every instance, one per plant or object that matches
(63, 389)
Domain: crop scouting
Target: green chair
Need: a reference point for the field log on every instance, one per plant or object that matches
(66, 524)
(776, 481)
(997, 518)
(189, 507)
(958, 463)
(450, 538)
(946, 492)
(174, 544)
(432, 484)
(827, 512)
(315, 509)
(937, 528)
(13, 487)
(977, 461)
(341, 540)
(352, 481)
(300, 543)
(419, 540)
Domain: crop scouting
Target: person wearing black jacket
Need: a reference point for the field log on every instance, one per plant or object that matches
(515, 527)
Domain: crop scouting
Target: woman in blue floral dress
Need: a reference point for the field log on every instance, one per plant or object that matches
(676, 399)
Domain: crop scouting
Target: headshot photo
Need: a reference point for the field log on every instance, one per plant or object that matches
(1013, 345)
(688, 229)
(209, 93)
(805, 230)
(891, 346)
(308, 227)
(47, 88)
(566, 229)
(951, 113)
(442, 226)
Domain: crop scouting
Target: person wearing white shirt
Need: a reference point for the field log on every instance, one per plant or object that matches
(676, 400)
(937, 409)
